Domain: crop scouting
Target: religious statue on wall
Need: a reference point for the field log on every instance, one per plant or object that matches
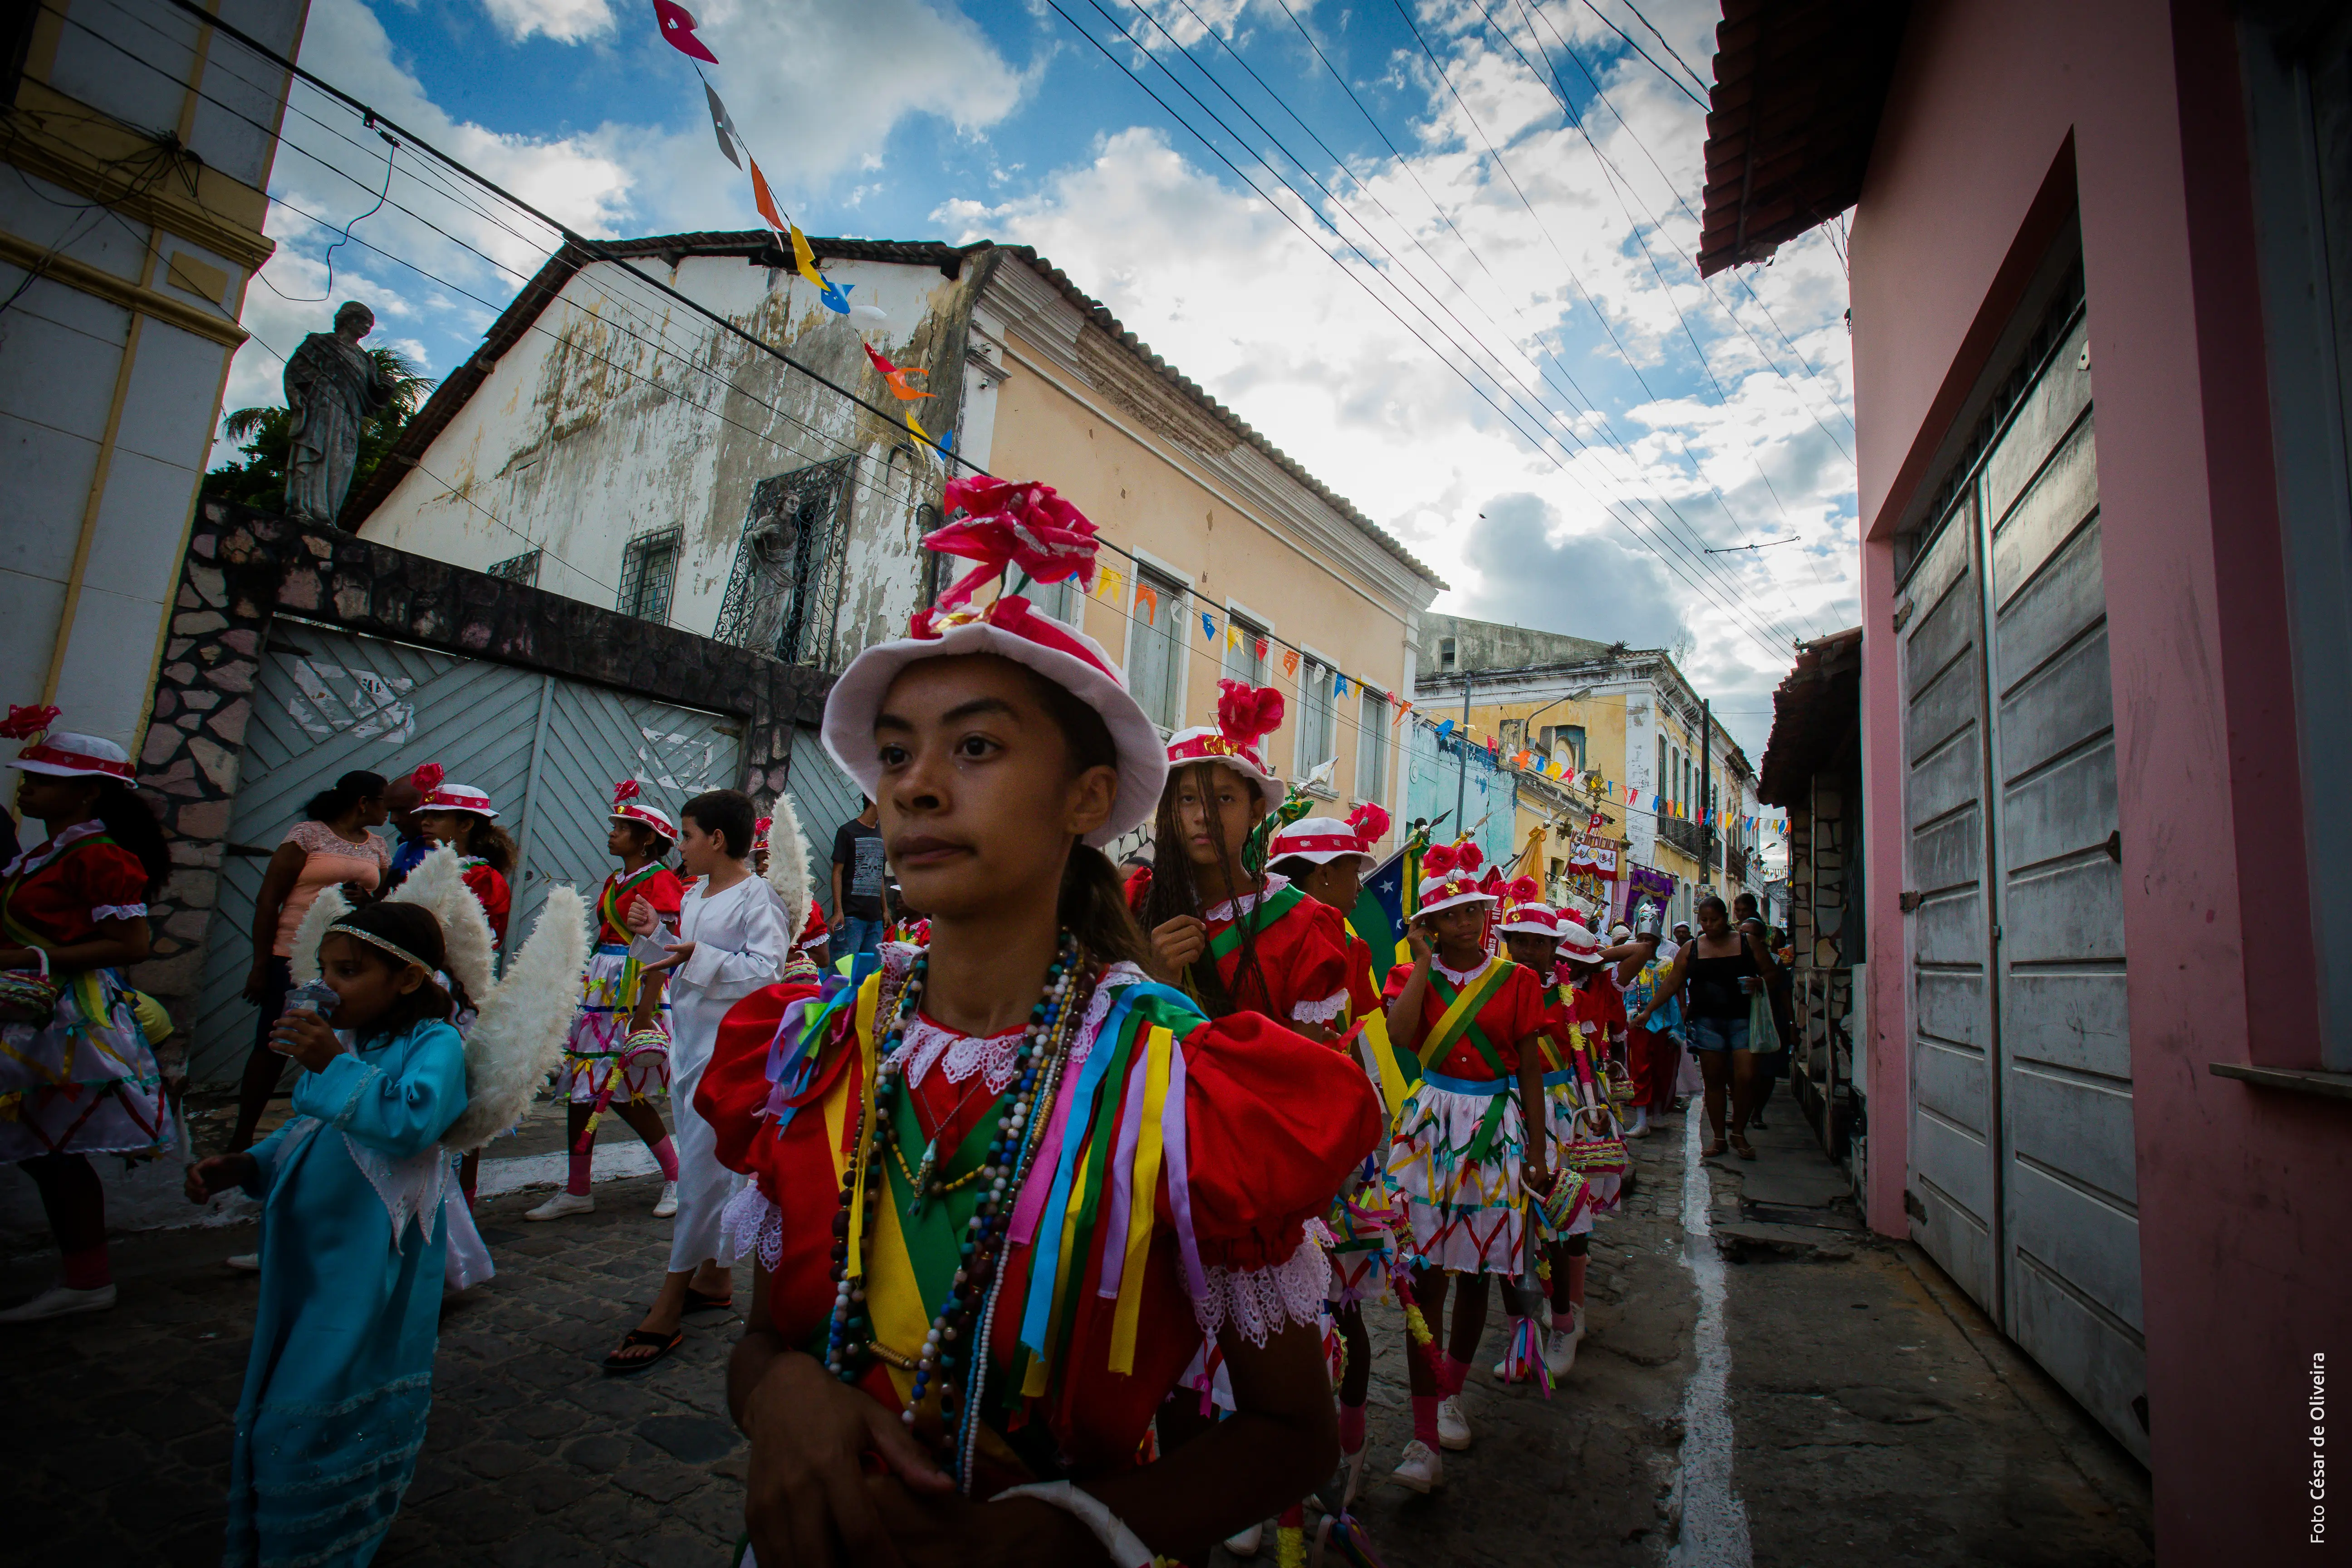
(332, 384)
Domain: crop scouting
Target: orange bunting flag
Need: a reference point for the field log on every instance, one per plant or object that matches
(1290, 661)
(766, 201)
(896, 376)
(1147, 601)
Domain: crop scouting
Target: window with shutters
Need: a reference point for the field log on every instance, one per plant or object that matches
(1373, 748)
(648, 570)
(1318, 716)
(1243, 659)
(1155, 647)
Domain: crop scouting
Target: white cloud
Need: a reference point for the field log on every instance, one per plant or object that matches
(565, 21)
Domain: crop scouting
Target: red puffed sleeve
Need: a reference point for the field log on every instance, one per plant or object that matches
(734, 1086)
(1305, 958)
(110, 882)
(1273, 1126)
(490, 891)
(1393, 986)
(1363, 988)
(664, 891)
(1519, 1009)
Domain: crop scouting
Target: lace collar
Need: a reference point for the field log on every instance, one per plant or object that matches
(1465, 976)
(1235, 907)
(40, 855)
(926, 1045)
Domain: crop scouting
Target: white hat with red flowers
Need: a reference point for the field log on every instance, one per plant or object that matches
(1028, 526)
(62, 754)
(434, 795)
(1246, 715)
(1524, 911)
(1449, 876)
(629, 804)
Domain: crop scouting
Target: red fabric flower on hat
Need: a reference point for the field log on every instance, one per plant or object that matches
(625, 789)
(759, 829)
(23, 724)
(1524, 890)
(1369, 821)
(1245, 713)
(428, 778)
(1469, 856)
(1006, 524)
(1439, 861)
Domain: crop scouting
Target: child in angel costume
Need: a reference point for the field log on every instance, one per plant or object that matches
(1462, 1160)
(357, 1213)
(617, 1058)
(78, 1075)
(1053, 1174)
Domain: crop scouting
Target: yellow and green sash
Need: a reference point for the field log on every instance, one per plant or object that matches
(1266, 910)
(1459, 1022)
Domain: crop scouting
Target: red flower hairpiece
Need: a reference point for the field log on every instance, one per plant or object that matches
(625, 789)
(1006, 524)
(428, 778)
(1369, 821)
(1245, 713)
(23, 723)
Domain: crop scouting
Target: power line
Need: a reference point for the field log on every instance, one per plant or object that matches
(1671, 79)
(1677, 58)
(1757, 630)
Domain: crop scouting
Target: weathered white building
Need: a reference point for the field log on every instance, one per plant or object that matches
(141, 143)
(609, 443)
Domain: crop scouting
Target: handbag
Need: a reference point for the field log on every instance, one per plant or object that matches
(1559, 1202)
(1604, 1155)
(29, 996)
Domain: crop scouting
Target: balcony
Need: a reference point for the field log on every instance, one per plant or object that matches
(1680, 835)
(1735, 866)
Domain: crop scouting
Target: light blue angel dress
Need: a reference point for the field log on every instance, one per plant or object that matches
(341, 1378)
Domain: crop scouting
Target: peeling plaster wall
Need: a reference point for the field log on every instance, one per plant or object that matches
(624, 413)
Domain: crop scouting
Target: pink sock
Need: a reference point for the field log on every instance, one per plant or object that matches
(1424, 1418)
(1452, 1374)
(1351, 1427)
(87, 1270)
(576, 1183)
(666, 1156)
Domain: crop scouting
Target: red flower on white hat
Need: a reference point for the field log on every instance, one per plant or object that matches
(428, 778)
(1024, 525)
(625, 789)
(23, 724)
(1369, 821)
(1246, 714)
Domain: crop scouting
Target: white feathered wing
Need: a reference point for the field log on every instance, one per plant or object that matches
(519, 1037)
(787, 866)
(438, 883)
(329, 906)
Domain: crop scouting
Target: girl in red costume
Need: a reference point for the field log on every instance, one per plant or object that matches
(617, 1056)
(1051, 1175)
(79, 1079)
(1272, 950)
(1462, 1159)
(460, 817)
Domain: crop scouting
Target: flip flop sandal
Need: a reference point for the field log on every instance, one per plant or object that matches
(1741, 1147)
(663, 1344)
(1711, 1152)
(696, 1301)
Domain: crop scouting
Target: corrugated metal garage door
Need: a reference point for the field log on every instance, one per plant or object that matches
(547, 750)
(2022, 1134)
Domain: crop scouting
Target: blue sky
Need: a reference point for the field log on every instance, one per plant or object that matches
(1619, 418)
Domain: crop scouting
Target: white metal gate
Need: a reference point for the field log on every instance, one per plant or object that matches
(2022, 1143)
(547, 749)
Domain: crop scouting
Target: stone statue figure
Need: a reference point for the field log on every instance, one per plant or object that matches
(331, 385)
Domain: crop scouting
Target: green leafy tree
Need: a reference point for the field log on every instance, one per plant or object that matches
(263, 436)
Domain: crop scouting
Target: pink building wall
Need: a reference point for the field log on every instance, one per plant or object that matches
(2003, 115)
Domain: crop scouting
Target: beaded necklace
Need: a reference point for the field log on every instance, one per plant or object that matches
(942, 1361)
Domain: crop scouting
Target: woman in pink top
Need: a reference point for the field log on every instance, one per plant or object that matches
(333, 845)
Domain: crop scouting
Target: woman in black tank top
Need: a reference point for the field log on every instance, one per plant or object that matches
(1722, 967)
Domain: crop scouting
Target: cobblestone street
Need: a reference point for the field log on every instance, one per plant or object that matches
(1877, 1419)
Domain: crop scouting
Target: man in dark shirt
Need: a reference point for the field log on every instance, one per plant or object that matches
(858, 872)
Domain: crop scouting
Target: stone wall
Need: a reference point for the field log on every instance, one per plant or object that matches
(243, 567)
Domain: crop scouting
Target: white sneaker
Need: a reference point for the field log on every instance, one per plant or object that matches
(667, 1206)
(1641, 1128)
(1420, 1469)
(60, 1302)
(1453, 1426)
(1560, 1350)
(1246, 1542)
(244, 1262)
(563, 1203)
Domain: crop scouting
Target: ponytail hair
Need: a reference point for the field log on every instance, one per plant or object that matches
(130, 824)
(1093, 907)
(348, 790)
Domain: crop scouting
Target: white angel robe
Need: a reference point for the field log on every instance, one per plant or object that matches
(739, 947)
